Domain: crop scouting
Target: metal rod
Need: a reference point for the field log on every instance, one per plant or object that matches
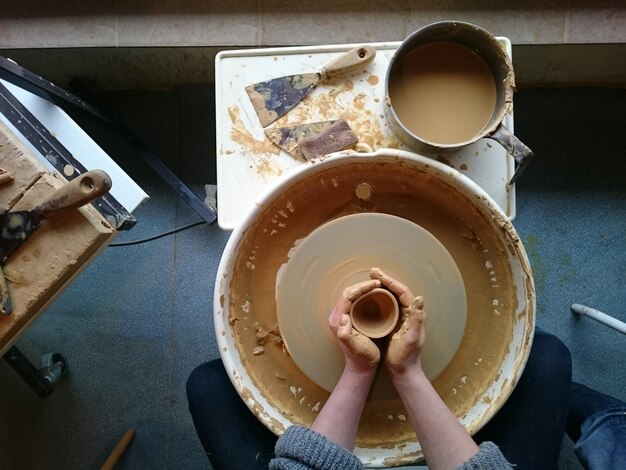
(41, 87)
(599, 316)
(58, 156)
(183, 191)
(27, 80)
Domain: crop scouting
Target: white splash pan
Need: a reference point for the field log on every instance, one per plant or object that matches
(487, 404)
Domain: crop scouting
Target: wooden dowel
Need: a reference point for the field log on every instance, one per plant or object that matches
(119, 450)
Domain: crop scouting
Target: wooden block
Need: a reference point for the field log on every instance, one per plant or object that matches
(18, 160)
(50, 258)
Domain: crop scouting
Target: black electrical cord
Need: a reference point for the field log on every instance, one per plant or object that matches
(160, 235)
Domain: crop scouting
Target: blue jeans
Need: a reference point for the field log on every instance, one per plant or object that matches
(529, 428)
(597, 425)
(232, 437)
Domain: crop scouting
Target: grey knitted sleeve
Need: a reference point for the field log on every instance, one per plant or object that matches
(488, 456)
(301, 448)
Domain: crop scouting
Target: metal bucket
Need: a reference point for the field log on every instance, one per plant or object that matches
(478, 235)
(486, 46)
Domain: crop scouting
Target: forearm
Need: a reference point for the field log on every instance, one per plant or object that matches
(443, 439)
(339, 418)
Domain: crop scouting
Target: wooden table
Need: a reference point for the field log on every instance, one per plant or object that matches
(55, 253)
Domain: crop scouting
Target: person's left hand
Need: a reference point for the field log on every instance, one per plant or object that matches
(405, 347)
(360, 352)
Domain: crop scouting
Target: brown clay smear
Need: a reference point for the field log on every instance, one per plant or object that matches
(373, 80)
(398, 190)
(242, 137)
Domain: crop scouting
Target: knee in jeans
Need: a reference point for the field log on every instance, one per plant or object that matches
(193, 381)
(202, 377)
(553, 352)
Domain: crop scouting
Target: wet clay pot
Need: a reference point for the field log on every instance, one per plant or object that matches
(486, 249)
(483, 45)
(375, 314)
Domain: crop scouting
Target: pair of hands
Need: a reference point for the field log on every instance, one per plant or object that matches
(443, 439)
(361, 354)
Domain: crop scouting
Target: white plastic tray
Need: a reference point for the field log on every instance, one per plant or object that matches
(248, 164)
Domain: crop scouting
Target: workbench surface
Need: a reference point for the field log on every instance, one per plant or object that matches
(60, 248)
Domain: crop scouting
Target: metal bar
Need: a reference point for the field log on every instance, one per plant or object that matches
(208, 214)
(33, 377)
(599, 316)
(41, 87)
(27, 80)
(58, 156)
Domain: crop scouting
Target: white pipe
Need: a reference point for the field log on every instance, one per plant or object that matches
(599, 316)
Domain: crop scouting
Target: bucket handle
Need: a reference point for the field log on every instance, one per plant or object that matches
(518, 150)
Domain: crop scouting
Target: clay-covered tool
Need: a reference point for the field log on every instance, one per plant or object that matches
(6, 307)
(287, 138)
(16, 226)
(337, 137)
(273, 98)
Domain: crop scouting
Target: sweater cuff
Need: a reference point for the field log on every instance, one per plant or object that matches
(488, 456)
(307, 448)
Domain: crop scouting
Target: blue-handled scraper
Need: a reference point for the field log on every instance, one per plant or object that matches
(273, 98)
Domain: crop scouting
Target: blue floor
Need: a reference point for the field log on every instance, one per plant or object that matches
(138, 319)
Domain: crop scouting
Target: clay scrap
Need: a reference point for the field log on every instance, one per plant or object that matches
(287, 138)
(337, 137)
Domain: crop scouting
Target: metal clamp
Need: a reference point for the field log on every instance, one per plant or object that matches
(42, 380)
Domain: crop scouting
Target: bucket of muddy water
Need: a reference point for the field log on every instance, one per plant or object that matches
(313, 234)
(448, 85)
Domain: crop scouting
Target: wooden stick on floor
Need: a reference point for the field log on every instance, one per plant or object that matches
(119, 450)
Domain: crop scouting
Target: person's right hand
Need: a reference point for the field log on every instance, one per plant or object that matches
(360, 352)
(403, 354)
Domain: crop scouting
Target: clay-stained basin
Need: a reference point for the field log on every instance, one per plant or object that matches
(483, 243)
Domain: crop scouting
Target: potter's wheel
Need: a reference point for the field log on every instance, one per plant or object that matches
(484, 245)
(340, 253)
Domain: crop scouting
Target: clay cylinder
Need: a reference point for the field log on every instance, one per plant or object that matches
(375, 314)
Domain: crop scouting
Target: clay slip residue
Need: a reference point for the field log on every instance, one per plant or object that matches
(261, 151)
(338, 99)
